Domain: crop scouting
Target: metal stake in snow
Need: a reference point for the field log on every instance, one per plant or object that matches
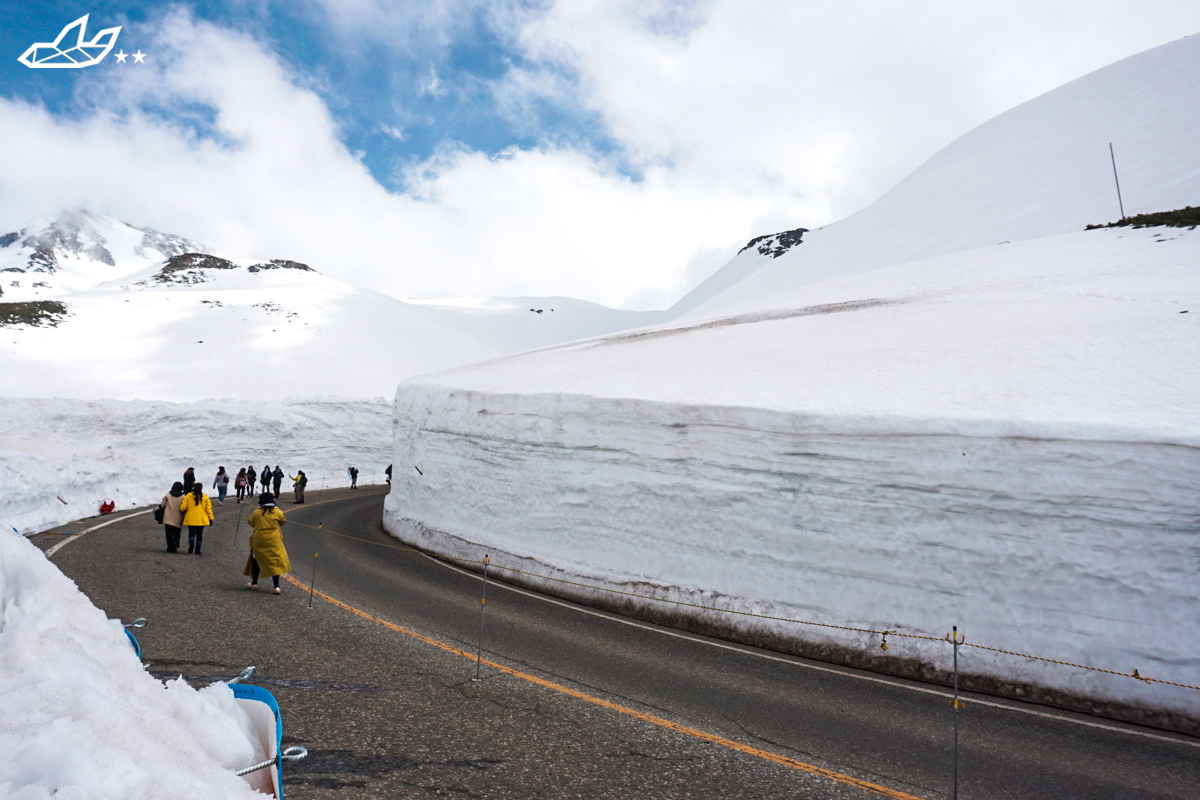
(956, 640)
(482, 604)
(1116, 180)
(312, 585)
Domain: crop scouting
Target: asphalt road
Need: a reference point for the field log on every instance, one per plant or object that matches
(588, 704)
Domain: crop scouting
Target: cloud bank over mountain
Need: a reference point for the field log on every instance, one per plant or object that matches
(692, 127)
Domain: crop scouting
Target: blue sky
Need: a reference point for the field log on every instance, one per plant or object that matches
(396, 105)
(612, 150)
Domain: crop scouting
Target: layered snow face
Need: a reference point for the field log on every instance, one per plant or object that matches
(79, 717)
(1004, 439)
(60, 458)
(1040, 169)
(76, 250)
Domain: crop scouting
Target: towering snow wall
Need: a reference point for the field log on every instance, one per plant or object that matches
(60, 458)
(1076, 547)
(1006, 440)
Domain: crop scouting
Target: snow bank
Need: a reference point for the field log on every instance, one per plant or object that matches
(60, 458)
(1005, 439)
(79, 717)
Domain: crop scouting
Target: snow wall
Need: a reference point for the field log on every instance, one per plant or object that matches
(59, 458)
(1079, 544)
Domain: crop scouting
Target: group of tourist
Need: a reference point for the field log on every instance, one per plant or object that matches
(186, 505)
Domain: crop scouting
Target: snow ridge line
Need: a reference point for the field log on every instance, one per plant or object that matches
(883, 634)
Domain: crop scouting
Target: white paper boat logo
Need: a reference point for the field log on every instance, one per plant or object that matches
(69, 50)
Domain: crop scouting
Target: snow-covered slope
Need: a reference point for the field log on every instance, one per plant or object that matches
(948, 409)
(1040, 169)
(75, 250)
(199, 326)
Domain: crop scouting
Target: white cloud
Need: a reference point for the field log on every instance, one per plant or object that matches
(276, 182)
(746, 117)
(835, 102)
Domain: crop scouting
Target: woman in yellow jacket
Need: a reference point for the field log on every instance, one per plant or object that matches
(197, 515)
(268, 556)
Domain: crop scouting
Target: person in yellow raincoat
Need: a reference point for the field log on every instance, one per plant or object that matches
(197, 515)
(268, 556)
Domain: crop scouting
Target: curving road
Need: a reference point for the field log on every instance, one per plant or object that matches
(575, 703)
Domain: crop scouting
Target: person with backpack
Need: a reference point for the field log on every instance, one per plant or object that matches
(239, 483)
(277, 479)
(353, 477)
(172, 517)
(299, 481)
(197, 515)
(268, 556)
(221, 484)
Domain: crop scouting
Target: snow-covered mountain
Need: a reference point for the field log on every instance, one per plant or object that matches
(1040, 169)
(75, 250)
(197, 326)
(954, 407)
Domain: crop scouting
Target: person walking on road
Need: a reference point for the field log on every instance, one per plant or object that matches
(268, 556)
(197, 515)
(239, 483)
(277, 479)
(221, 484)
(172, 516)
(251, 481)
(266, 478)
(388, 472)
(189, 478)
(353, 477)
(299, 481)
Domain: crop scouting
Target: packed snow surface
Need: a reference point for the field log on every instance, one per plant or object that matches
(1005, 439)
(203, 327)
(80, 718)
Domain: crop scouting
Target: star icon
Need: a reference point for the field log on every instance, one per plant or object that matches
(121, 56)
(139, 57)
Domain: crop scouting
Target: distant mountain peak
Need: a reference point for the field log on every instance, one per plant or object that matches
(76, 248)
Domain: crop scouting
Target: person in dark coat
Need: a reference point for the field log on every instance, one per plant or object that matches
(265, 477)
(388, 472)
(353, 477)
(189, 479)
(251, 481)
(277, 479)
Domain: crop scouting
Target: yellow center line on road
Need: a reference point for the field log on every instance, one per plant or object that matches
(659, 721)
